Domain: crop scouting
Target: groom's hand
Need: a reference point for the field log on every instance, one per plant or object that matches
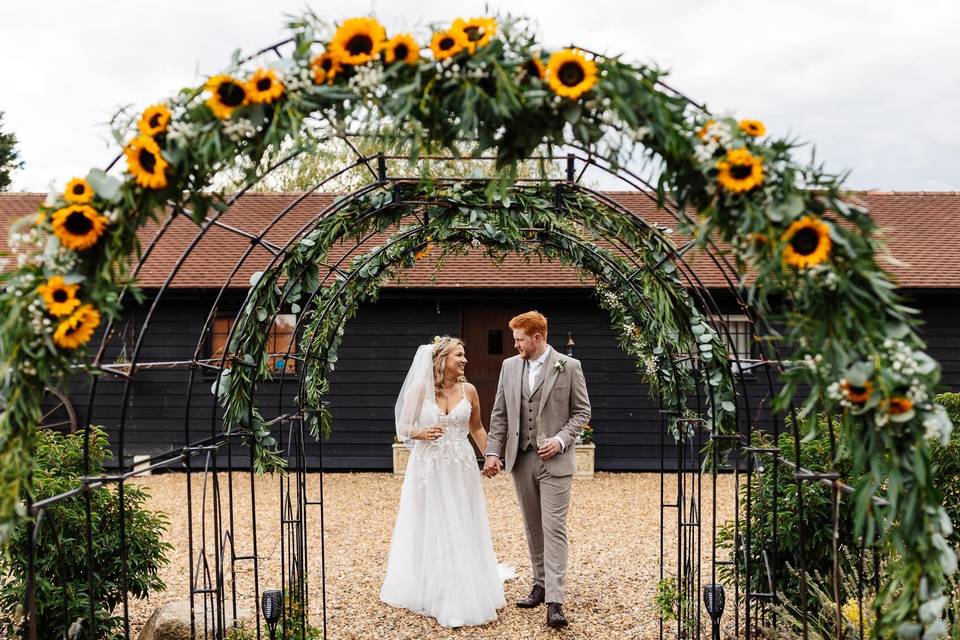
(491, 466)
(549, 449)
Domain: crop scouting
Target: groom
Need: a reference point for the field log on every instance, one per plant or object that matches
(540, 393)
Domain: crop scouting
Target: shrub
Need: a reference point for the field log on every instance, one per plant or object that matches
(817, 522)
(60, 551)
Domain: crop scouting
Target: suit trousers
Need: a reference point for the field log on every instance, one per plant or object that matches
(544, 501)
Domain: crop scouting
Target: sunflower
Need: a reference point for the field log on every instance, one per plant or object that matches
(146, 163)
(479, 31)
(808, 243)
(401, 48)
(740, 171)
(753, 128)
(570, 74)
(78, 226)
(226, 94)
(898, 405)
(78, 191)
(78, 328)
(61, 299)
(423, 253)
(264, 87)
(154, 120)
(533, 68)
(855, 394)
(325, 68)
(448, 43)
(358, 41)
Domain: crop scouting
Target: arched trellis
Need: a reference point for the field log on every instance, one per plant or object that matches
(747, 190)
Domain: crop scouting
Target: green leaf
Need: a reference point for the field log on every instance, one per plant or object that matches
(105, 186)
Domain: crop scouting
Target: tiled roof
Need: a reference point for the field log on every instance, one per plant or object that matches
(921, 228)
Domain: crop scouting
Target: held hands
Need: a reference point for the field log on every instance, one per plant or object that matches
(430, 433)
(492, 466)
(549, 449)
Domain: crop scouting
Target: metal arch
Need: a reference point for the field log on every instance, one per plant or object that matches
(209, 445)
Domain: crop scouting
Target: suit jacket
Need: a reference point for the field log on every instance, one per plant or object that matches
(564, 410)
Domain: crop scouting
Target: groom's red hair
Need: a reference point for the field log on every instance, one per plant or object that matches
(531, 322)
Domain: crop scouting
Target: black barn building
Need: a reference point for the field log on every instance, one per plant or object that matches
(169, 406)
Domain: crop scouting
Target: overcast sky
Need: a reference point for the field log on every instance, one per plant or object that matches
(874, 84)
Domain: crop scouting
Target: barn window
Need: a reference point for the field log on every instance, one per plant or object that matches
(737, 334)
(280, 340)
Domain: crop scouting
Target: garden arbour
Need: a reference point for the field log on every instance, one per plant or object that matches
(786, 223)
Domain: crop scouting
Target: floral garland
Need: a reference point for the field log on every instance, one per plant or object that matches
(489, 80)
(651, 296)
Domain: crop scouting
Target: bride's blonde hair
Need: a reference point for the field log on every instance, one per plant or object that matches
(442, 346)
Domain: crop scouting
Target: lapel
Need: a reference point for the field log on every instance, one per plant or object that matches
(513, 386)
(549, 377)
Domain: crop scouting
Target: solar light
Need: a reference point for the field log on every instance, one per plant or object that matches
(713, 601)
(272, 608)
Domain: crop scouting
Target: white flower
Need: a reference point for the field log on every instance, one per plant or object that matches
(559, 366)
(179, 131)
(238, 129)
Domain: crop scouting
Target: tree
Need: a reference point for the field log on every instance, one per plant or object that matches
(8, 156)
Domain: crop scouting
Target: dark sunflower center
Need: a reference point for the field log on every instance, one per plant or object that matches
(360, 44)
(60, 296)
(326, 64)
(148, 161)
(571, 74)
(401, 51)
(231, 94)
(263, 84)
(805, 241)
(154, 121)
(856, 391)
(79, 189)
(473, 33)
(78, 224)
(531, 68)
(73, 328)
(741, 171)
(447, 43)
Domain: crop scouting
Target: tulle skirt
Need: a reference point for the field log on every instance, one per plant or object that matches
(442, 562)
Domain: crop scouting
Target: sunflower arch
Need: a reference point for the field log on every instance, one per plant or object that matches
(487, 85)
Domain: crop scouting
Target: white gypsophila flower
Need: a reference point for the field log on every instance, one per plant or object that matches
(182, 132)
(239, 129)
(703, 153)
(650, 364)
(475, 243)
(834, 391)
(112, 215)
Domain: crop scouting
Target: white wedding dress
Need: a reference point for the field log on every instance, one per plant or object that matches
(442, 562)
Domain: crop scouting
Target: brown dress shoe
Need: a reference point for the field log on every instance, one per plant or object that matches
(535, 598)
(555, 617)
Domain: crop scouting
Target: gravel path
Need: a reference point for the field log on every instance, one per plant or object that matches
(614, 532)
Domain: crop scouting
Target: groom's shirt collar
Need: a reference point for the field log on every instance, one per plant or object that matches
(543, 356)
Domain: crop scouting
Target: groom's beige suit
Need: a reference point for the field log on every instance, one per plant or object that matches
(558, 406)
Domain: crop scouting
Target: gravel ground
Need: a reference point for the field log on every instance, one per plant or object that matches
(614, 532)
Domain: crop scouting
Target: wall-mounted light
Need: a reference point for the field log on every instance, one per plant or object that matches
(570, 343)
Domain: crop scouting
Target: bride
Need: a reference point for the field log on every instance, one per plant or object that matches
(442, 562)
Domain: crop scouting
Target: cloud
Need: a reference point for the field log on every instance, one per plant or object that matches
(872, 84)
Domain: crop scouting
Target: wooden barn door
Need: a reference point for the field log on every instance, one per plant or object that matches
(489, 342)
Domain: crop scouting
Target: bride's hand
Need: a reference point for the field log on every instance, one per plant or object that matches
(430, 433)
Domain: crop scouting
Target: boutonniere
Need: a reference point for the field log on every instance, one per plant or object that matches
(558, 367)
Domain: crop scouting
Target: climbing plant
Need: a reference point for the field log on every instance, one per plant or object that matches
(489, 82)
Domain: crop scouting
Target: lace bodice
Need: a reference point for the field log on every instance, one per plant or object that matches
(453, 447)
